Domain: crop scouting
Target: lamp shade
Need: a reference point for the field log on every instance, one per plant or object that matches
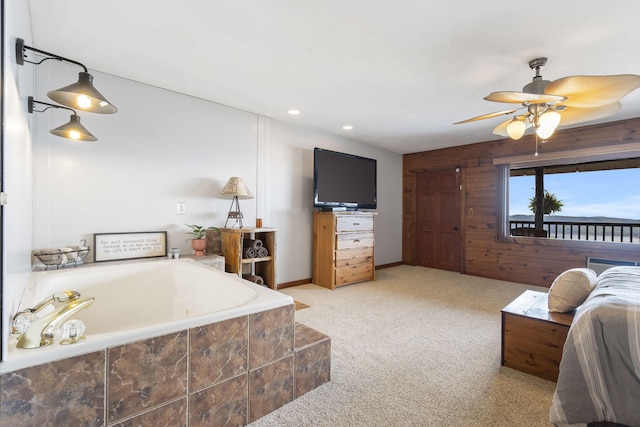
(236, 187)
(74, 130)
(83, 95)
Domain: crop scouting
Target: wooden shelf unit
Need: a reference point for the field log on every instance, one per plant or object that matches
(233, 250)
(532, 336)
(343, 248)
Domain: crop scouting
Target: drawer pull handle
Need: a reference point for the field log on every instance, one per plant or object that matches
(356, 223)
(356, 241)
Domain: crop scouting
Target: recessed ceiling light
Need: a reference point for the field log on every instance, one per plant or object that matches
(347, 127)
(294, 112)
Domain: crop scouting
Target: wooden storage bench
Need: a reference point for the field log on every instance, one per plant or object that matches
(532, 336)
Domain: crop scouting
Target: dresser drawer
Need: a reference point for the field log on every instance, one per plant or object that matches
(354, 257)
(354, 240)
(353, 273)
(354, 223)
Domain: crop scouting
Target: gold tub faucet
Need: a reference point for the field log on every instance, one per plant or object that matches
(40, 332)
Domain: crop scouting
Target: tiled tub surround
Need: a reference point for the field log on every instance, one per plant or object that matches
(227, 373)
(169, 342)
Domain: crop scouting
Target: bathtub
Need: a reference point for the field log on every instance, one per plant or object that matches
(138, 300)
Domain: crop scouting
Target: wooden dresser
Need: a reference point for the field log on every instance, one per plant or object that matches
(343, 248)
(532, 336)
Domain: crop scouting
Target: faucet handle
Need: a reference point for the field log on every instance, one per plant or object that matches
(72, 331)
(22, 321)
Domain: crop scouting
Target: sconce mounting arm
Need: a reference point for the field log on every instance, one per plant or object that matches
(32, 102)
(21, 47)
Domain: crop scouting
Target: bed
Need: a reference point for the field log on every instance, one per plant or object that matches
(599, 377)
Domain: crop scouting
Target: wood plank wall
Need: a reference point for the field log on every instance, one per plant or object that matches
(522, 260)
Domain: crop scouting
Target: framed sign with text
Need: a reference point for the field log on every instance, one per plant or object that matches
(119, 246)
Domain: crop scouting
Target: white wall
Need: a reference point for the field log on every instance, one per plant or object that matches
(17, 179)
(163, 147)
(159, 149)
(292, 196)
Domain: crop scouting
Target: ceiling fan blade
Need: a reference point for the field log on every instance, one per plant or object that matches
(488, 116)
(522, 97)
(593, 91)
(573, 115)
(501, 129)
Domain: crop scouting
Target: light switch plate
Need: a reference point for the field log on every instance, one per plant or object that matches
(182, 208)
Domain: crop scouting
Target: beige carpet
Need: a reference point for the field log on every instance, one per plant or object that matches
(417, 347)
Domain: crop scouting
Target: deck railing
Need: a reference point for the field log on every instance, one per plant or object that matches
(593, 231)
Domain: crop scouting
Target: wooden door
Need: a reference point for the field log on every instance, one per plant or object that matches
(438, 219)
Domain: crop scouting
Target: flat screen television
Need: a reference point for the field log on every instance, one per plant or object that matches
(343, 181)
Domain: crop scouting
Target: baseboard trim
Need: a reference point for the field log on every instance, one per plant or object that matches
(307, 281)
(294, 283)
(392, 264)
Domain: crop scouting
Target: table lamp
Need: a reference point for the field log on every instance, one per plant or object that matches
(235, 189)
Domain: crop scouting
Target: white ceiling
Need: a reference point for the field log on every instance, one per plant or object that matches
(401, 72)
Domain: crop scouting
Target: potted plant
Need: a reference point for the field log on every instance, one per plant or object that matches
(199, 242)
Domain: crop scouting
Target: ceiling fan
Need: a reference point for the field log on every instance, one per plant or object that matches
(566, 101)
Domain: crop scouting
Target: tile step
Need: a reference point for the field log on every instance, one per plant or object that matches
(306, 337)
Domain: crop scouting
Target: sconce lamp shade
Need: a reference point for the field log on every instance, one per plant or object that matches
(83, 95)
(74, 130)
(236, 187)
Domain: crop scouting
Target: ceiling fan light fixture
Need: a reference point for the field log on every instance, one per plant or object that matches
(577, 98)
(548, 123)
(516, 128)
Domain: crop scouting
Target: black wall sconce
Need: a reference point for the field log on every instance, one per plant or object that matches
(81, 95)
(72, 130)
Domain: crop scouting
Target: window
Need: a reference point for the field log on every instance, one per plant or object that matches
(578, 196)
(597, 201)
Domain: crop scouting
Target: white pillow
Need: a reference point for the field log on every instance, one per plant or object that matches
(571, 288)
